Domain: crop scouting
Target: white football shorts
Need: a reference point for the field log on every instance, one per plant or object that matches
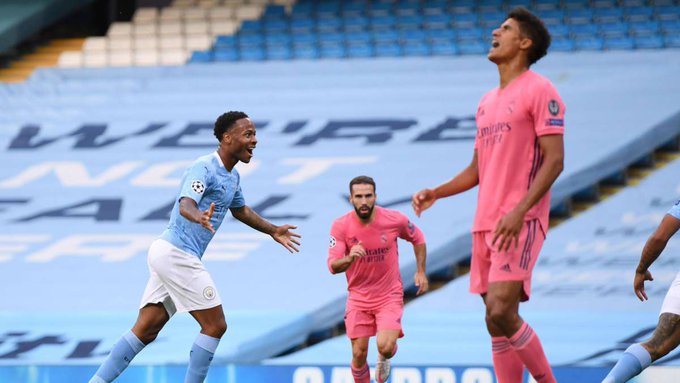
(178, 280)
(671, 304)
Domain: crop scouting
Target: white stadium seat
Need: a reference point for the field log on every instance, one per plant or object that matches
(171, 42)
(223, 27)
(196, 27)
(249, 12)
(120, 29)
(145, 43)
(198, 42)
(120, 58)
(145, 15)
(120, 43)
(70, 59)
(173, 57)
(146, 58)
(95, 59)
(95, 44)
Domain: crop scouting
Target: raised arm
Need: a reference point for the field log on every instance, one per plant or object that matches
(465, 180)
(280, 234)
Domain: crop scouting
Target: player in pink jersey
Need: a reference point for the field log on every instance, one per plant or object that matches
(518, 154)
(364, 245)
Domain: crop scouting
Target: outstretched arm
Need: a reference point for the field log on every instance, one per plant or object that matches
(189, 210)
(508, 227)
(280, 234)
(653, 248)
(420, 277)
(465, 180)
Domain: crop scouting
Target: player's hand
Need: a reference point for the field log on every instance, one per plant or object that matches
(205, 218)
(639, 284)
(508, 229)
(287, 238)
(357, 251)
(422, 200)
(421, 282)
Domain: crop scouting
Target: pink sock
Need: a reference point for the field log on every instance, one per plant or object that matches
(509, 367)
(361, 375)
(528, 347)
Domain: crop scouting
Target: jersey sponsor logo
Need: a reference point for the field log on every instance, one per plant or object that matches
(332, 242)
(209, 293)
(383, 238)
(198, 187)
(554, 107)
(554, 122)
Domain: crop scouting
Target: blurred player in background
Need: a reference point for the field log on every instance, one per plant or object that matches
(179, 282)
(363, 244)
(518, 154)
(667, 334)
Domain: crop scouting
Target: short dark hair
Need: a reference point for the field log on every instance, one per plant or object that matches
(361, 180)
(226, 121)
(533, 28)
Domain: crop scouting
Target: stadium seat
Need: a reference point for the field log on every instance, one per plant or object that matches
(388, 50)
(437, 21)
(607, 15)
(333, 51)
(253, 54)
(671, 12)
(589, 43)
(638, 13)
(579, 16)
(465, 20)
(305, 51)
(670, 27)
(644, 28)
(472, 47)
(225, 55)
(201, 57)
(648, 42)
(444, 48)
(618, 43)
(417, 49)
(361, 50)
(356, 23)
(618, 29)
(562, 45)
(385, 36)
(672, 41)
(279, 53)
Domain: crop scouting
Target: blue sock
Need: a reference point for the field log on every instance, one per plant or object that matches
(202, 353)
(632, 362)
(120, 356)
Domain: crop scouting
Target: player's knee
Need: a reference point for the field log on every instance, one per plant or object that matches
(386, 348)
(215, 329)
(498, 315)
(657, 350)
(147, 336)
(359, 355)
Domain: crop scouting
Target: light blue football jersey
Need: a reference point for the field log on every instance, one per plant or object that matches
(206, 181)
(675, 210)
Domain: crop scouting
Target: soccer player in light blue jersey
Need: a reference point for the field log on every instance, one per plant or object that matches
(666, 336)
(179, 282)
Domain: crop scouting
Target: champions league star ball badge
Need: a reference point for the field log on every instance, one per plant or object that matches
(209, 293)
(197, 187)
(553, 107)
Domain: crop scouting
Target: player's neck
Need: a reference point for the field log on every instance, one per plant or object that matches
(510, 70)
(228, 161)
(366, 221)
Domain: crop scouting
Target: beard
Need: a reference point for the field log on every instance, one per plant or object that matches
(365, 214)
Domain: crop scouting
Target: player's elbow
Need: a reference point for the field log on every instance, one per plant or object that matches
(658, 240)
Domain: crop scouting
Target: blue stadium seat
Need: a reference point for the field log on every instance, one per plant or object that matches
(434, 7)
(409, 22)
(388, 50)
(328, 9)
(579, 16)
(583, 30)
(491, 18)
(437, 21)
(358, 37)
(201, 57)
(644, 28)
(607, 15)
(619, 29)
(545, 5)
(250, 40)
(672, 41)
(386, 36)
(648, 42)
(377, 9)
(333, 51)
(276, 26)
(472, 48)
(562, 45)
(302, 25)
(353, 9)
(575, 4)
(444, 48)
(332, 37)
(471, 34)
(638, 13)
(410, 36)
(225, 55)
(333, 24)
(618, 43)
(416, 49)
(251, 26)
(632, 3)
(510, 4)
(599, 4)
(405, 9)
(489, 5)
(278, 39)
(274, 12)
(302, 10)
(279, 53)
(383, 22)
(305, 38)
(465, 20)
(361, 50)
(356, 23)
(670, 27)
(671, 12)
(254, 54)
(589, 44)
(225, 42)
(441, 34)
(552, 17)
(307, 51)
(559, 31)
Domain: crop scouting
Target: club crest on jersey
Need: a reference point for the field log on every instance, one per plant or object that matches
(332, 242)
(383, 238)
(554, 107)
(198, 187)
